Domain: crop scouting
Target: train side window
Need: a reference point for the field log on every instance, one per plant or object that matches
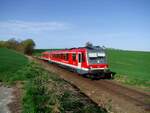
(67, 56)
(83, 57)
(61, 56)
(64, 56)
(74, 57)
(79, 58)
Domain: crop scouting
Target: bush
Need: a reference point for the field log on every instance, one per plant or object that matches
(25, 46)
(37, 97)
(46, 93)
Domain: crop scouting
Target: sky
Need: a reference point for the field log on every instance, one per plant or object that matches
(120, 24)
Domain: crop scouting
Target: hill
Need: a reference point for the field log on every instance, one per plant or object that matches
(10, 62)
(131, 67)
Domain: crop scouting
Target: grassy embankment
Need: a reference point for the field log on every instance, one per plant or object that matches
(132, 67)
(43, 92)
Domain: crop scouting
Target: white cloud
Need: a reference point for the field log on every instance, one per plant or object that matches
(19, 27)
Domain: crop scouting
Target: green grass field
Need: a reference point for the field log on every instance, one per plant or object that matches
(132, 67)
(10, 63)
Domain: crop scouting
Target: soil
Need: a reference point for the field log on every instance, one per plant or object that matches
(15, 104)
(106, 93)
(10, 99)
(5, 98)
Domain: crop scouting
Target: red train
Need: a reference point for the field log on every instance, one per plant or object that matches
(89, 61)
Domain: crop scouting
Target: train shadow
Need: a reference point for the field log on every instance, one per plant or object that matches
(110, 76)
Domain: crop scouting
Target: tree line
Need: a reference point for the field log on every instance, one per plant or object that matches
(24, 46)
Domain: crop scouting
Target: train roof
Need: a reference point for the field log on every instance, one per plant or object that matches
(75, 49)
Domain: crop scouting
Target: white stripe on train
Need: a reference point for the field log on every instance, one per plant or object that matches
(73, 66)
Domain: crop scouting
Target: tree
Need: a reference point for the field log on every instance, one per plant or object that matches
(12, 43)
(2, 44)
(88, 44)
(28, 46)
(25, 46)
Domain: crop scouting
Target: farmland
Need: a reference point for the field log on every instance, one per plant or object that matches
(131, 67)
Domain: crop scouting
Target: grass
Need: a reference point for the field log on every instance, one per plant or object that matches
(10, 63)
(132, 67)
(47, 93)
(43, 92)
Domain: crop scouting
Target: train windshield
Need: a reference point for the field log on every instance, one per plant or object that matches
(96, 57)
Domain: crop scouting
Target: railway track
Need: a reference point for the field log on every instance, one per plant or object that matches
(124, 99)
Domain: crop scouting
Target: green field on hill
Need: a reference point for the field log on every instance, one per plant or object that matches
(10, 62)
(131, 67)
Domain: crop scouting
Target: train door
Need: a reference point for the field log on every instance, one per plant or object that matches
(79, 60)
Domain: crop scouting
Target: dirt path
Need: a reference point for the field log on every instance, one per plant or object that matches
(5, 98)
(112, 96)
(10, 99)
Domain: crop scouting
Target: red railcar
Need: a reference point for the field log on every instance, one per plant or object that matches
(83, 60)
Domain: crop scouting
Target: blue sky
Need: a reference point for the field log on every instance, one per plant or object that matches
(122, 24)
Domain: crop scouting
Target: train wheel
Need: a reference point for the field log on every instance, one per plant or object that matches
(110, 76)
